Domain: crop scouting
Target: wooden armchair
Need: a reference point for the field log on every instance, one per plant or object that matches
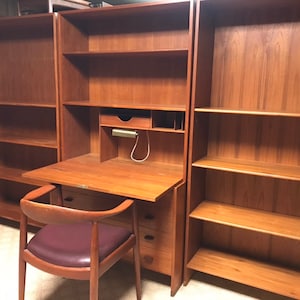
(74, 244)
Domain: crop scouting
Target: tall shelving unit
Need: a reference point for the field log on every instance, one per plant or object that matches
(28, 105)
(243, 211)
(128, 67)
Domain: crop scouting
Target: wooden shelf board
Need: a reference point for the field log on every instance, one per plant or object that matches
(266, 222)
(250, 167)
(247, 271)
(20, 140)
(159, 129)
(115, 104)
(9, 210)
(155, 52)
(26, 104)
(247, 112)
(14, 174)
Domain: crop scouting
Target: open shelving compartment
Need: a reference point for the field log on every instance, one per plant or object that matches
(28, 105)
(243, 208)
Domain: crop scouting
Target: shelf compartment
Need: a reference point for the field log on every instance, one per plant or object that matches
(244, 41)
(15, 158)
(9, 210)
(265, 222)
(28, 125)
(126, 80)
(127, 27)
(169, 120)
(28, 47)
(250, 167)
(10, 196)
(220, 110)
(252, 138)
(246, 271)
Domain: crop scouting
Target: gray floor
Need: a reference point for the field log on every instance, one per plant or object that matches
(118, 283)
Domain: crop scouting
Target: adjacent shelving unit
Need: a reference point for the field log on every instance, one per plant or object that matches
(128, 67)
(243, 212)
(28, 105)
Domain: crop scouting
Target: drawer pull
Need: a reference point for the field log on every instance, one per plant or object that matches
(149, 217)
(149, 237)
(68, 199)
(148, 259)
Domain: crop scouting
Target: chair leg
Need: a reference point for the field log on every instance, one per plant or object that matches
(22, 276)
(94, 288)
(137, 267)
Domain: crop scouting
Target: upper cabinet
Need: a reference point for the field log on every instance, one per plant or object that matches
(243, 209)
(28, 104)
(127, 67)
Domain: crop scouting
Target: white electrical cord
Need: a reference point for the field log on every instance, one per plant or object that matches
(134, 147)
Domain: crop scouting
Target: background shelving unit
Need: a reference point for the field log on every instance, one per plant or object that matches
(129, 67)
(28, 105)
(243, 212)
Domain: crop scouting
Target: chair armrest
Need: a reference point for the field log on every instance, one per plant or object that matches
(39, 192)
(53, 214)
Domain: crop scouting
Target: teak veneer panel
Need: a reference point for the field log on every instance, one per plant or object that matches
(255, 59)
(116, 176)
(271, 278)
(266, 222)
(14, 174)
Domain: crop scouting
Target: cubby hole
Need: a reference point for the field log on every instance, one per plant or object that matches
(160, 144)
(169, 120)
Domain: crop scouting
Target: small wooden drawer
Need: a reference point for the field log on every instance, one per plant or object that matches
(130, 122)
(154, 259)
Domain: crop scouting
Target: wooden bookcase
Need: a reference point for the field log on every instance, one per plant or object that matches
(243, 211)
(128, 67)
(28, 105)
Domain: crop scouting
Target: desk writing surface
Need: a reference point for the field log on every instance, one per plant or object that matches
(145, 181)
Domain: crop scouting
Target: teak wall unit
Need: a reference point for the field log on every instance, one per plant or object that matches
(243, 212)
(129, 67)
(28, 105)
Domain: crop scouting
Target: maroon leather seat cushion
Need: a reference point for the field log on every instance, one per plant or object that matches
(69, 244)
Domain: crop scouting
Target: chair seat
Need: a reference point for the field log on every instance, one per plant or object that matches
(69, 244)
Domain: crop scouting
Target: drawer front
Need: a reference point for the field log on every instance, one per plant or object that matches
(133, 122)
(155, 255)
(156, 216)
